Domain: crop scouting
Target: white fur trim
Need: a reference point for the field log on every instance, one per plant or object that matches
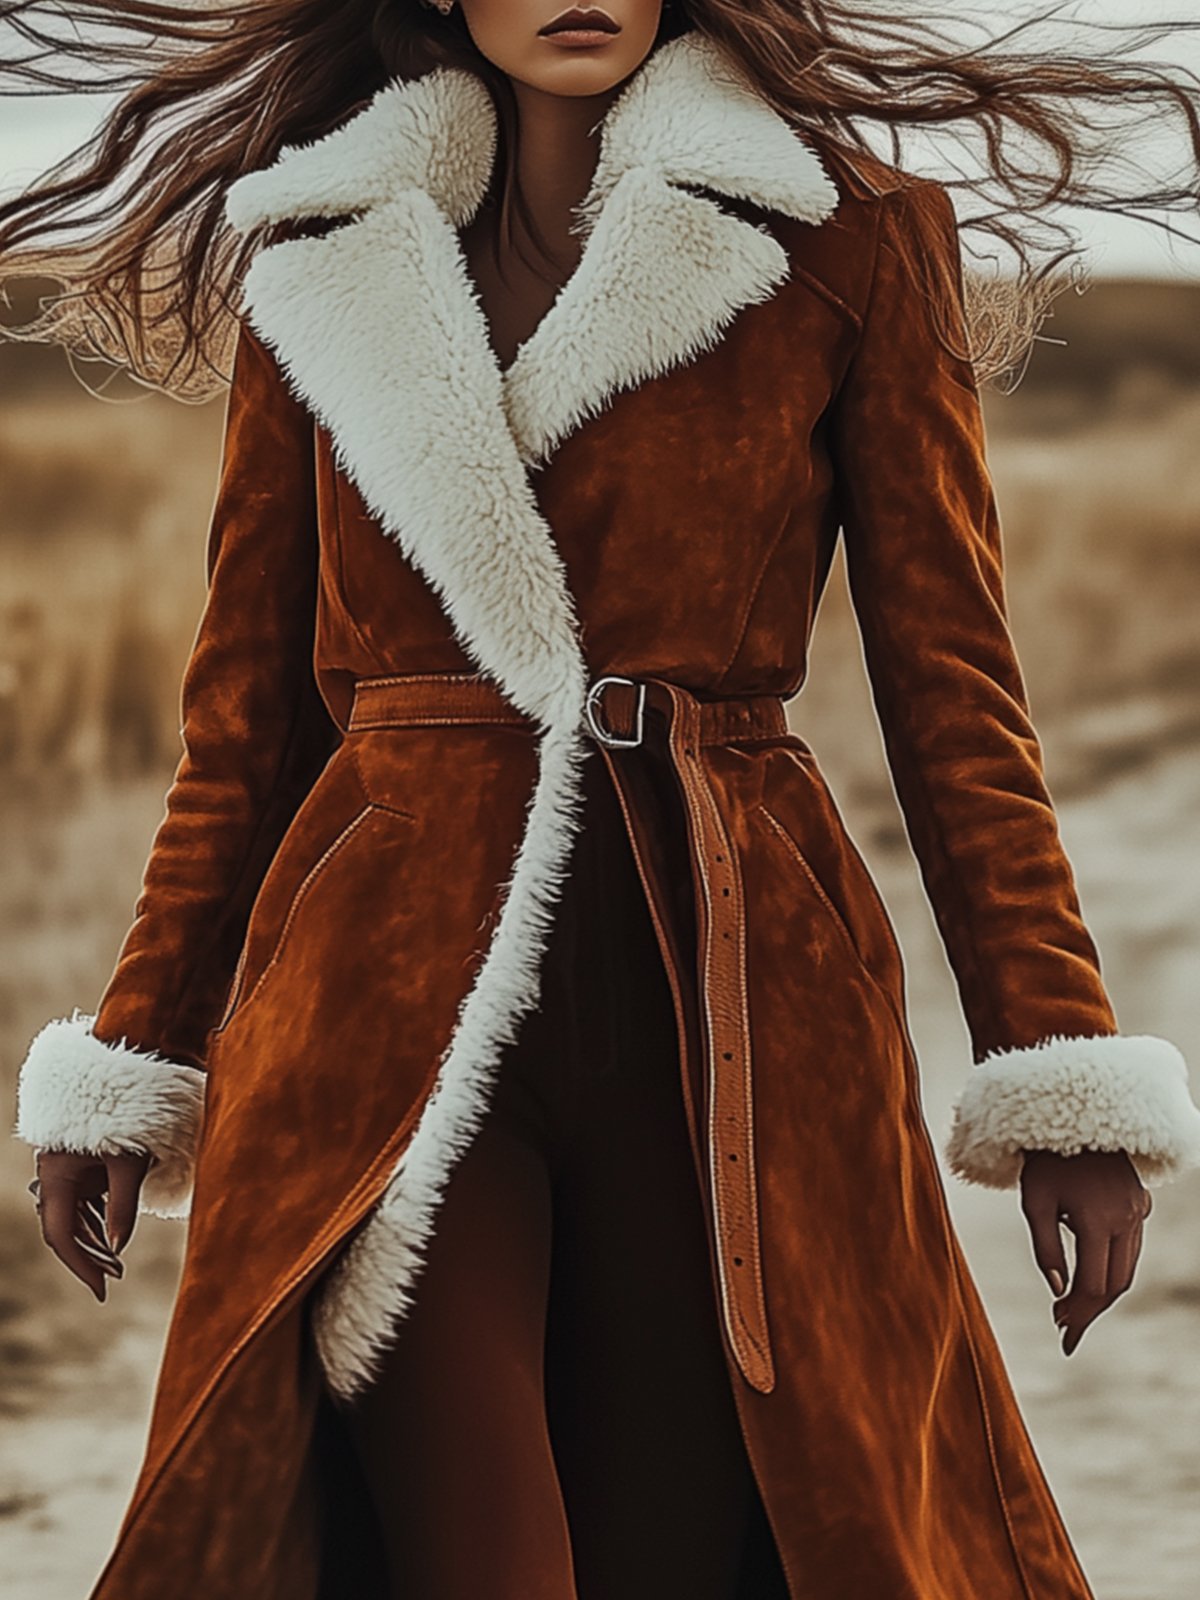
(366, 1295)
(615, 323)
(1107, 1092)
(379, 333)
(692, 115)
(662, 272)
(378, 329)
(436, 133)
(77, 1092)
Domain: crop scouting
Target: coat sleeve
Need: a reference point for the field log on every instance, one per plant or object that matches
(925, 569)
(255, 734)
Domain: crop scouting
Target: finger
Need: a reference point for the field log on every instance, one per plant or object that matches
(89, 1219)
(1046, 1236)
(1122, 1259)
(89, 1231)
(1091, 1264)
(58, 1230)
(102, 1255)
(124, 1186)
(1089, 1291)
(1078, 1324)
(91, 1207)
(96, 1245)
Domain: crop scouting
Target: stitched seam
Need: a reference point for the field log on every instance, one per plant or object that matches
(761, 740)
(233, 999)
(819, 889)
(748, 608)
(307, 882)
(753, 1222)
(339, 534)
(234, 993)
(331, 850)
(860, 323)
(803, 275)
(420, 677)
(423, 720)
(694, 792)
(869, 302)
(804, 759)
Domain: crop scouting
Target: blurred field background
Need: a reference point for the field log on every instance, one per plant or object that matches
(1097, 464)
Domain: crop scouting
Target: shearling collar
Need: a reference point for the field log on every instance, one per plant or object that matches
(663, 270)
(686, 113)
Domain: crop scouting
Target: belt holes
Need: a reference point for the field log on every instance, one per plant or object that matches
(724, 891)
(733, 1155)
(737, 1261)
(727, 1055)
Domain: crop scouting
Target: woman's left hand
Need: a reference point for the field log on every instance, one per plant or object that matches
(1100, 1198)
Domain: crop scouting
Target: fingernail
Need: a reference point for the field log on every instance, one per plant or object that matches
(1056, 1281)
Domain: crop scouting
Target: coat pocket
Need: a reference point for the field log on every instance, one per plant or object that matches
(799, 813)
(286, 889)
(814, 883)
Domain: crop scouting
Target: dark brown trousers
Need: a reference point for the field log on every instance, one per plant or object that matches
(555, 1420)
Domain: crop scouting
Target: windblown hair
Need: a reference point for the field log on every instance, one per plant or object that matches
(130, 228)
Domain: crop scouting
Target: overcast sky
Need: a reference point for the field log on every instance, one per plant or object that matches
(36, 132)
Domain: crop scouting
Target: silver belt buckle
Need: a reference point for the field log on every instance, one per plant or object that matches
(601, 733)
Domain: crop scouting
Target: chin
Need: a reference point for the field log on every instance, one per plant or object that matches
(578, 80)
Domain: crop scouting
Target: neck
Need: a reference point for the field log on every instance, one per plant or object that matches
(557, 147)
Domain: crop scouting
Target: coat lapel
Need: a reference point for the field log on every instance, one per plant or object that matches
(378, 328)
(663, 271)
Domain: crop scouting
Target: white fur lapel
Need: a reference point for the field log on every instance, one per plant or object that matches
(663, 271)
(379, 330)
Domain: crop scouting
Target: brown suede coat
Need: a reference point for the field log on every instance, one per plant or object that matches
(359, 875)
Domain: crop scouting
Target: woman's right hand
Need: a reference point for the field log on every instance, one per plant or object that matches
(88, 1207)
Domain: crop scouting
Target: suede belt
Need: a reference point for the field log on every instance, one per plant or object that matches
(616, 717)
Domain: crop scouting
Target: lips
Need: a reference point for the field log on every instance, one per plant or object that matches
(577, 20)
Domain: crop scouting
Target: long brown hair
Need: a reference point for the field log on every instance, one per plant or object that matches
(130, 227)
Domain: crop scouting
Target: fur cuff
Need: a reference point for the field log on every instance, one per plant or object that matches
(1108, 1092)
(76, 1092)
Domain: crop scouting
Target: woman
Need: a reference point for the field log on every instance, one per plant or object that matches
(563, 1220)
